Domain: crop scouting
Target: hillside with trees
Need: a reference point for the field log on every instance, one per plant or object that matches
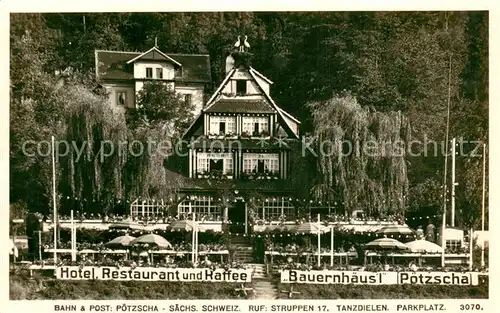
(391, 70)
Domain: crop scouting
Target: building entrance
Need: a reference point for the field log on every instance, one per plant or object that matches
(236, 215)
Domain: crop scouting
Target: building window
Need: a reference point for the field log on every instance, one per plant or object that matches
(256, 126)
(222, 125)
(147, 207)
(261, 163)
(204, 207)
(159, 73)
(188, 98)
(214, 162)
(121, 98)
(216, 165)
(149, 72)
(178, 71)
(453, 244)
(241, 87)
(276, 209)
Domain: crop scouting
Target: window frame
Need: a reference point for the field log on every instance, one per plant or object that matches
(159, 70)
(203, 161)
(201, 205)
(188, 99)
(241, 84)
(251, 163)
(214, 125)
(149, 70)
(249, 122)
(274, 210)
(118, 94)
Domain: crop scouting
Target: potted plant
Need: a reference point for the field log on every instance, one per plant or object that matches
(264, 133)
(245, 134)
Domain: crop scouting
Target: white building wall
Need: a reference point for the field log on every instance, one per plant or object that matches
(196, 96)
(114, 89)
(253, 88)
(140, 69)
(263, 84)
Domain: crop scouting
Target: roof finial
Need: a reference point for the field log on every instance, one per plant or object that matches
(237, 44)
(156, 42)
(246, 44)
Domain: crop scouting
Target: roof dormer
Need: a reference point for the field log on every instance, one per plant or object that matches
(155, 55)
(154, 64)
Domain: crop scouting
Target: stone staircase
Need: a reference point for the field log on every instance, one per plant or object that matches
(243, 249)
(259, 270)
(243, 253)
(263, 288)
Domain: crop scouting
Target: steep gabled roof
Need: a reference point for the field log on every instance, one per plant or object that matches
(216, 104)
(281, 112)
(197, 122)
(216, 93)
(261, 75)
(153, 54)
(232, 105)
(112, 65)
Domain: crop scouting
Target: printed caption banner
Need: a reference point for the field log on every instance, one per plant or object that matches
(379, 278)
(154, 274)
(243, 306)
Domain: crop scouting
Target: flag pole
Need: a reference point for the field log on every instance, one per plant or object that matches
(483, 203)
(54, 204)
(331, 244)
(319, 242)
(193, 239)
(443, 228)
(471, 248)
(453, 183)
(196, 241)
(73, 239)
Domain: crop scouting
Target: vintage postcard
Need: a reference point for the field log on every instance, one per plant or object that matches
(238, 161)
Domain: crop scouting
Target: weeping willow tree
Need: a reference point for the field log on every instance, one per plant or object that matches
(91, 172)
(103, 159)
(146, 173)
(360, 155)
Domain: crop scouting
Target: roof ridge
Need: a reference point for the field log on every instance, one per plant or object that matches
(261, 75)
(141, 52)
(189, 54)
(114, 51)
(149, 51)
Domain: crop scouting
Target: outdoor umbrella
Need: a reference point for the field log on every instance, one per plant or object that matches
(359, 228)
(292, 228)
(424, 246)
(385, 244)
(314, 228)
(126, 225)
(184, 225)
(395, 230)
(152, 239)
(120, 242)
(311, 228)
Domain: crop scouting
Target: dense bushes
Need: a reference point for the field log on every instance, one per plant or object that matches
(24, 288)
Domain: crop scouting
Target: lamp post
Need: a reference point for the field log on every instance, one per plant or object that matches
(483, 202)
(39, 244)
(54, 203)
(319, 242)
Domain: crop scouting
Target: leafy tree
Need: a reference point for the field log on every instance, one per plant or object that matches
(389, 61)
(158, 104)
(361, 155)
